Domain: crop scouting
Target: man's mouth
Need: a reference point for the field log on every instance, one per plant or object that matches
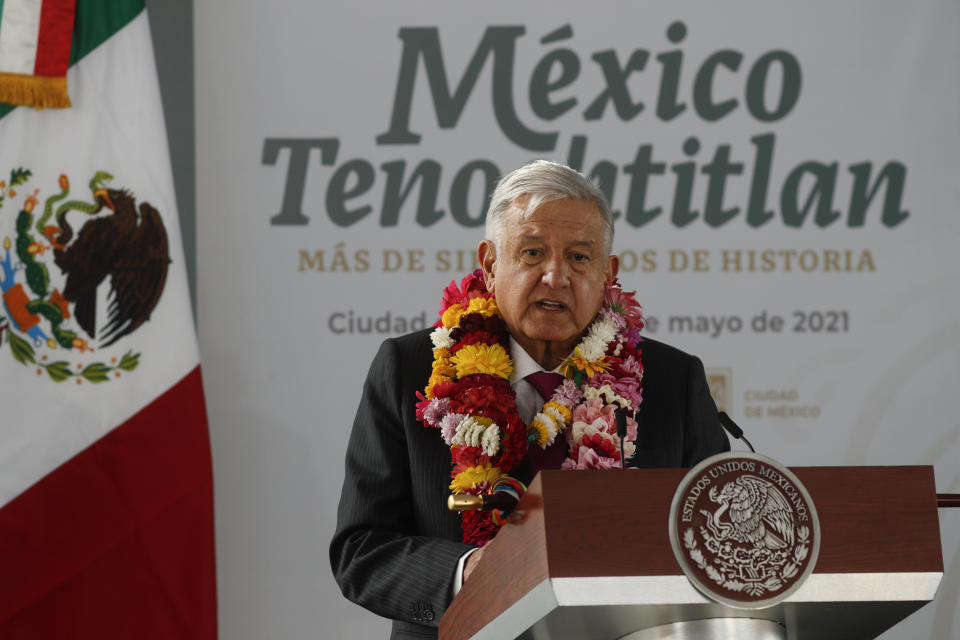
(550, 305)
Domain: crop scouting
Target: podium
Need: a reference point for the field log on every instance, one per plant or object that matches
(587, 554)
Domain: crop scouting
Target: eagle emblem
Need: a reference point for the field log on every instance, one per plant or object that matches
(757, 514)
(744, 530)
(77, 275)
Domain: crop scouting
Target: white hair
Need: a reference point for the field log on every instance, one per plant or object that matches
(544, 181)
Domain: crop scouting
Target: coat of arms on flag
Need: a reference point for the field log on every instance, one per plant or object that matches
(52, 275)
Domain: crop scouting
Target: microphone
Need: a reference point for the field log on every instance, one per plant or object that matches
(734, 430)
(500, 499)
(483, 502)
(621, 430)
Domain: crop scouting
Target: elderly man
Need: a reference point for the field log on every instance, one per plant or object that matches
(546, 263)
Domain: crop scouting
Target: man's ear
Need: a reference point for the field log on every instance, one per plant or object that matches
(613, 267)
(487, 253)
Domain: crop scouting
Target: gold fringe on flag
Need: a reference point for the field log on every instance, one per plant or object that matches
(34, 91)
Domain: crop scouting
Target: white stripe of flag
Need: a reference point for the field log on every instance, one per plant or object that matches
(19, 35)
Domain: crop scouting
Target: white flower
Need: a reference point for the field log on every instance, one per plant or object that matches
(471, 433)
(592, 348)
(556, 415)
(582, 429)
(549, 426)
(466, 435)
(441, 338)
(594, 344)
(458, 435)
(607, 394)
(490, 442)
(605, 330)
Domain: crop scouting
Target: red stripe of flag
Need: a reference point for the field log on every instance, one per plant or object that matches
(55, 38)
(117, 542)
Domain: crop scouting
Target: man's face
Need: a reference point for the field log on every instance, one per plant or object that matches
(549, 275)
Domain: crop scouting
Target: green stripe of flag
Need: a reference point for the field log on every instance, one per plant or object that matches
(95, 22)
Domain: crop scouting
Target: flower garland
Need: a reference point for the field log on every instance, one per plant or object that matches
(469, 399)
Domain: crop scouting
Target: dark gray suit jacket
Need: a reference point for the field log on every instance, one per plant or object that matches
(396, 545)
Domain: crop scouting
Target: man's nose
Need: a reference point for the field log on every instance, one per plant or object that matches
(555, 273)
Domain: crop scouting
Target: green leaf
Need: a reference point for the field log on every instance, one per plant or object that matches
(59, 371)
(19, 176)
(129, 361)
(96, 372)
(22, 350)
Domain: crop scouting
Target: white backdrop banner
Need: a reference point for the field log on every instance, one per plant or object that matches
(785, 184)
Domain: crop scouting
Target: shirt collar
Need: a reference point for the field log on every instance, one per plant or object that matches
(523, 363)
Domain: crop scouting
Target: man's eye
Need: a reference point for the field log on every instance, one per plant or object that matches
(580, 257)
(532, 253)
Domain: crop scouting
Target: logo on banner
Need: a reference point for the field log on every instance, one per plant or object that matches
(720, 381)
(744, 530)
(77, 275)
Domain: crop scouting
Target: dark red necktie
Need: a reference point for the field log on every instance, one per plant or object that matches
(554, 455)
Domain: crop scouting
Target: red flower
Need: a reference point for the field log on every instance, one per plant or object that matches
(471, 322)
(422, 404)
(444, 389)
(470, 287)
(475, 337)
(473, 284)
(604, 447)
(478, 528)
(624, 303)
(465, 457)
(484, 399)
(513, 440)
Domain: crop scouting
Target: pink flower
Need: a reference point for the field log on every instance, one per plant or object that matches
(568, 394)
(448, 426)
(608, 313)
(629, 445)
(587, 458)
(625, 387)
(435, 411)
(624, 303)
(632, 366)
(592, 410)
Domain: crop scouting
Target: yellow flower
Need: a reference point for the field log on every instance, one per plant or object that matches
(482, 358)
(566, 413)
(435, 379)
(543, 428)
(451, 317)
(481, 475)
(484, 306)
(576, 362)
(445, 369)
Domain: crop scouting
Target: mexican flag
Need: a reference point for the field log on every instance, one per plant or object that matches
(106, 492)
